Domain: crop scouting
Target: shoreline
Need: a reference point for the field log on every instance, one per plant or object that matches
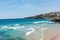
(51, 32)
(28, 33)
(37, 34)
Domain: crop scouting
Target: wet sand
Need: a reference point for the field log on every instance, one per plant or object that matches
(36, 35)
(50, 33)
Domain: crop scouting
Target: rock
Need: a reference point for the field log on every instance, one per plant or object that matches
(56, 20)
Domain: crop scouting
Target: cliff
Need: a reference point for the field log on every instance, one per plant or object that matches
(50, 15)
(53, 16)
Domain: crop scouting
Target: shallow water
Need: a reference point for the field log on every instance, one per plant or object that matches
(21, 29)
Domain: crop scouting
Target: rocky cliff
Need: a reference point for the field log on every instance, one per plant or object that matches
(51, 15)
(54, 16)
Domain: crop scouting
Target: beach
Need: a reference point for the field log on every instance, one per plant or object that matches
(52, 33)
(36, 35)
(29, 30)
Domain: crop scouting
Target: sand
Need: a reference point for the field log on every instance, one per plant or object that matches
(52, 33)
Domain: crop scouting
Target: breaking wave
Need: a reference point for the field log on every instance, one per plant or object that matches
(15, 26)
(43, 22)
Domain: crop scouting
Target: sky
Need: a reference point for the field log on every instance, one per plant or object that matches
(25, 8)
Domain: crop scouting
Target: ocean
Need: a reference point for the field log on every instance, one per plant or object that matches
(24, 29)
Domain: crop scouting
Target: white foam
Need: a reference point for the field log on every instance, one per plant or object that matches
(16, 24)
(41, 39)
(28, 33)
(42, 34)
(43, 22)
(40, 21)
(36, 22)
(9, 27)
(43, 29)
(14, 27)
(18, 27)
(4, 27)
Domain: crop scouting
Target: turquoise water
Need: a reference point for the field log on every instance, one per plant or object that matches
(15, 29)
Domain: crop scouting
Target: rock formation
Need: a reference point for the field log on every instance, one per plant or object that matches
(54, 16)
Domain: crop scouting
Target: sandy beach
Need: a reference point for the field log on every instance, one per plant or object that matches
(52, 33)
(36, 35)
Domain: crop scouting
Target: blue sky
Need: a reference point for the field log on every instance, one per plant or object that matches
(24, 8)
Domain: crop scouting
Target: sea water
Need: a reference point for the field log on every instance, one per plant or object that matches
(21, 29)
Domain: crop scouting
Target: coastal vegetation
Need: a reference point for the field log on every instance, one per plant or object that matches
(54, 16)
(47, 15)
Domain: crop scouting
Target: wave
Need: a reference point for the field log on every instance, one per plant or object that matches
(42, 22)
(16, 26)
(28, 33)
